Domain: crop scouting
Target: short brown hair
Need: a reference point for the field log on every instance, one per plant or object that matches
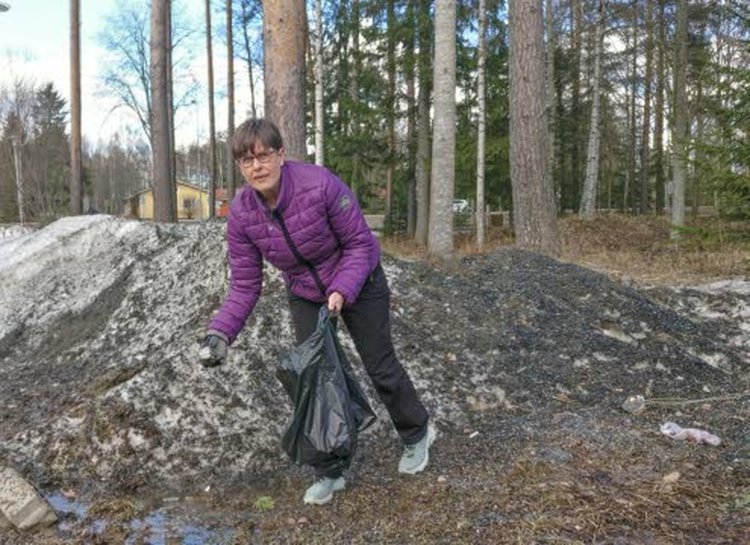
(252, 131)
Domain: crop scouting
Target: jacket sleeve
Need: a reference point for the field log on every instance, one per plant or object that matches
(360, 251)
(246, 266)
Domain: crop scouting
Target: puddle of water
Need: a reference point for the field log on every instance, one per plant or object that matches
(69, 512)
(158, 527)
(67, 506)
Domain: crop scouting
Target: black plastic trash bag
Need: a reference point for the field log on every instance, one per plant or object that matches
(330, 407)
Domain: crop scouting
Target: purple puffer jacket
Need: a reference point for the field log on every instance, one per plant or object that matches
(323, 220)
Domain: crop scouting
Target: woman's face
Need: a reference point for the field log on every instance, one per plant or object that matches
(261, 167)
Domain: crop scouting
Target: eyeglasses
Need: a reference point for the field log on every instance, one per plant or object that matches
(263, 157)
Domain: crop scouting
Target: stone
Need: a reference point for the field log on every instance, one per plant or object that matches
(21, 504)
(634, 404)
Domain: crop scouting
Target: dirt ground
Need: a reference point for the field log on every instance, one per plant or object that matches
(579, 476)
(574, 469)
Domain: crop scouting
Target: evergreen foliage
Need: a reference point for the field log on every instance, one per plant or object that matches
(35, 117)
(359, 105)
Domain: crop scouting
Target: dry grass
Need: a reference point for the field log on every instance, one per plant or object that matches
(605, 493)
(113, 509)
(613, 490)
(638, 247)
(641, 247)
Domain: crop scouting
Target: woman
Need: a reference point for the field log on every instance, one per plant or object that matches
(306, 222)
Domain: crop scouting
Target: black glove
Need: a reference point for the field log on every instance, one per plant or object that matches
(213, 350)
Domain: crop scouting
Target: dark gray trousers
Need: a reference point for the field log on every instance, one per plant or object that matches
(369, 324)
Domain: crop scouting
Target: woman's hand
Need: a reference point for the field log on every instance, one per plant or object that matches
(335, 303)
(213, 349)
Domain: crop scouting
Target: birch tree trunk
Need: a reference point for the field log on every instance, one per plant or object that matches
(533, 201)
(700, 126)
(630, 178)
(588, 199)
(680, 120)
(170, 115)
(660, 175)
(423, 125)
(285, 39)
(248, 53)
(699, 114)
(410, 47)
(230, 168)
(440, 230)
(76, 168)
(549, 18)
(644, 184)
(481, 115)
(163, 188)
(18, 166)
(354, 66)
(576, 23)
(390, 112)
(319, 158)
(211, 118)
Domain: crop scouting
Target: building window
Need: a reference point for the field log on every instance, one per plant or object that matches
(189, 206)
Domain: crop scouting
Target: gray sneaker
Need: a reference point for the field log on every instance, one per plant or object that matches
(322, 490)
(416, 456)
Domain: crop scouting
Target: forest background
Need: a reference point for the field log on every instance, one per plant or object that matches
(643, 100)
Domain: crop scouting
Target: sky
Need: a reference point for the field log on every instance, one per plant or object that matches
(34, 44)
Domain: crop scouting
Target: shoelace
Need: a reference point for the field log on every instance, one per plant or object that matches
(409, 450)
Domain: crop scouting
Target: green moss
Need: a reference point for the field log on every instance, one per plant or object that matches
(264, 503)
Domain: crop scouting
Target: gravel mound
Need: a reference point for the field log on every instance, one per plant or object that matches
(100, 320)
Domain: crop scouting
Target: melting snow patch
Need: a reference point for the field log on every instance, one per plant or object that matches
(10, 233)
(598, 356)
(718, 361)
(101, 318)
(581, 363)
(615, 333)
(21, 249)
(735, 285)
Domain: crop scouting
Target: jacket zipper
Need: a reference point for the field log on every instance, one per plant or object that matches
(300, 258)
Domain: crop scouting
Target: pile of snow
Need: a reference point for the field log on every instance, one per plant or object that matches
(9, 232)
(725, 303)
(100, 320)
